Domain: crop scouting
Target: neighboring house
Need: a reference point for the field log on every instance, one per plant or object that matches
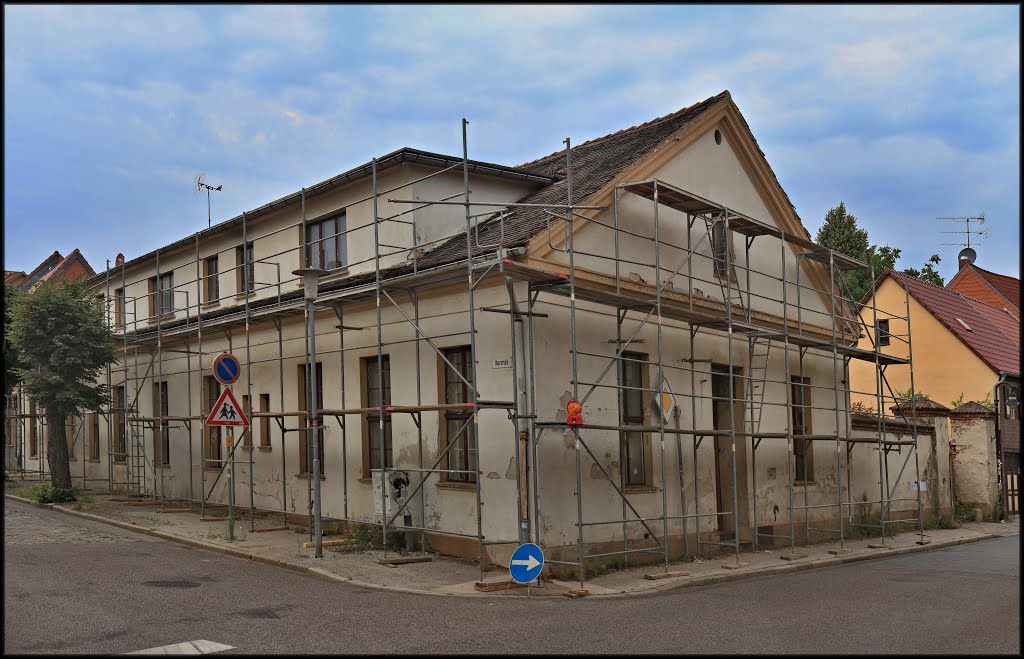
(672, 279)
(54, 267)
(962, 347)
(24, 426)
(997, 290)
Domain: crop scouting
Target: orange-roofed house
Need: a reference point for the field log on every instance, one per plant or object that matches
(963, 347)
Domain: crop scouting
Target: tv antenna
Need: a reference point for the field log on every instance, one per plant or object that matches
(199, 183)
(967, 230)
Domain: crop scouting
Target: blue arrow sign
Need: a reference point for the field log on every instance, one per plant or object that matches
(527, 562)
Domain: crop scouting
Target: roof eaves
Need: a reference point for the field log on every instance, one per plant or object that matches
(354, 174)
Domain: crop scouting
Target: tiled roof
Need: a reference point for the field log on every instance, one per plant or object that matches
(594, 164)
(65, 262)
(1007, 289)
(994, 335)
(972, 407)
(14, 277)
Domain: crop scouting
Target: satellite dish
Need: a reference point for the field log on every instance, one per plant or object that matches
(968, 254)
(119, 261)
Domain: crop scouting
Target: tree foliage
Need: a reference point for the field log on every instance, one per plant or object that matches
(11, 362)
(62, 341)
(841, 233)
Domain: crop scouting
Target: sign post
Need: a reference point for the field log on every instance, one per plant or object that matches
(228, 413)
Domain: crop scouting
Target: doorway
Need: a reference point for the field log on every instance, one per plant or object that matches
(724, 454)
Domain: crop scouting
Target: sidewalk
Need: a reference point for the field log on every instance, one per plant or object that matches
(450, 576)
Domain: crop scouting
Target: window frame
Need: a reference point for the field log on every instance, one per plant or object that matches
(722, 250)
(371, 420)
(305, 457)
(460, 356)
(94, 432)
(120, 310)
(161, 438)
(340, 239)
(243, 286)
(882, 333)
(212, 435)
(800, 420)
(264, 421)
(637, 362)
(211, 280)
(120, 452)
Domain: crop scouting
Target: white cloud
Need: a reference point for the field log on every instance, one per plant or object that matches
(289, 27)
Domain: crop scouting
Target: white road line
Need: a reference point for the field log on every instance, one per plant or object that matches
(189, 647)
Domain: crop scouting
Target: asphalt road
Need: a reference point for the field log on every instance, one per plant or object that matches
(76, 586)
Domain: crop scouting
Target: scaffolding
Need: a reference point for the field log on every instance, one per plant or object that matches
(479, 252)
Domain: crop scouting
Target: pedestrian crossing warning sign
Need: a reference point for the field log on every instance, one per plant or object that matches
(227, 411)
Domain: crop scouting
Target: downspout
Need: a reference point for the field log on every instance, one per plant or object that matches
(999, 443)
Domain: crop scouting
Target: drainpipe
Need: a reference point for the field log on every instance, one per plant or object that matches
(999, 443)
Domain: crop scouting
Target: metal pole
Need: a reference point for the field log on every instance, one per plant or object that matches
(789, 400)
(732, 392)
(246, 279)
(913, 418)
(472, 353)
(110, 416)
(661, 376)
(380, 367)
(318, 533)
(231, 483)
(202, 402)
(835, 391)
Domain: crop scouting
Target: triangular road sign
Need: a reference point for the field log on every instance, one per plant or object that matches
(227, 411)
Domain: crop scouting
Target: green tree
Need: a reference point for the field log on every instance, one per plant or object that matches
(63, 341)
(10, 354)
(928, 273)
(841, 233)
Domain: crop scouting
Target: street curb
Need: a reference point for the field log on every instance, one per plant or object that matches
(799, 567)
(687, 583)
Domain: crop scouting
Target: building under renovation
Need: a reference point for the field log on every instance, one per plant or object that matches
(659, 276)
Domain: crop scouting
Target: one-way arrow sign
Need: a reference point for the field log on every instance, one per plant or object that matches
(526, 563)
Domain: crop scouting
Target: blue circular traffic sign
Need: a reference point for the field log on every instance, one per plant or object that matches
(226, 368)
(526, 563)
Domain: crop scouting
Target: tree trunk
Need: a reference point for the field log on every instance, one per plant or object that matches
(57, 449)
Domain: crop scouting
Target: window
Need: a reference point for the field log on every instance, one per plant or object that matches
(69, 435)
(117, 416)
(94, 436)
(305, 451)
(211, 281)
(457, 428)
(33, 436)
(119, 309)
(632, 369)
(245, 277)
(883, 332)
(326, 244)
(720, 247)
(377, 440)
(802, 448)
(211, 440)
(161, 295)
(264, 421)
(161, 438)
(247, 433)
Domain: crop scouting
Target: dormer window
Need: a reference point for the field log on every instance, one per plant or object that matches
(326, 244)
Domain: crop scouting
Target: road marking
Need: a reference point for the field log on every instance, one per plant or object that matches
(189, 647)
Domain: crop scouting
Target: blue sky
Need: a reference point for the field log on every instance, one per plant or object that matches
(904, 113)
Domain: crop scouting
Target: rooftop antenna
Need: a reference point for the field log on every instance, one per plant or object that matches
(967, 254)
(199, 180)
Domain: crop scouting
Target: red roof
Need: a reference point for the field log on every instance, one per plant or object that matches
(1004, 290)
(994, 334)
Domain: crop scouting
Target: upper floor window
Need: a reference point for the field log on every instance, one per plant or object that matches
(211, 288)
(245, 277)
(119, 308)
(326, 245)
(883, 332)
(720, 247)
(161, 295)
